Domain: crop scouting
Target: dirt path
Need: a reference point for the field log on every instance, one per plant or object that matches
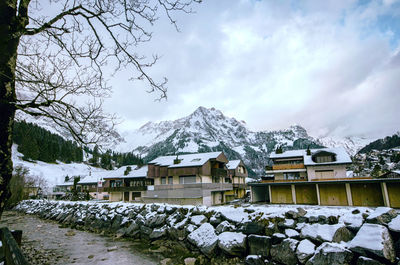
(44, 242)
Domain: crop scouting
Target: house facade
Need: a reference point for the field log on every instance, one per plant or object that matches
(128, 183)
(237, 174)
(196, 179)
(310, 164)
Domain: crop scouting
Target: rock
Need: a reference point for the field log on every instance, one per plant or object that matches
(302, 219)
(252, 228)
(177, 234)
(146, 231)
(382, 215)
(375, 239)
(190, 261)
(158, 232)
(214, 220)
(225, 226)
(121, 232)
(277, 238)
(204, 238)
(132, 228)
(112, 248)
(332, 254)
(232, 243)
(291, 214)
(198, 219)
(394, 224)
(190, 228)
(318, 232)
(292, 233)
(139, 220)
(305, 250)
(313, 219)
(254, 260)
(285, 252)
(352, 221)
(116, 224)
(367, 261)
(332, 220)
(288, 223)
(270, 229)
(301, 212)
(166, 261)
(259, 245)
(322, 219)
(342, 234)
(356, 211)
(90, 257)
(155, 220)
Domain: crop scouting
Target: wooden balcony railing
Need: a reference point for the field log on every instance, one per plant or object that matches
(288, 166)
(124, 189)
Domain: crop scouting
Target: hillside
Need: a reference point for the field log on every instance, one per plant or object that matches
(382, 144)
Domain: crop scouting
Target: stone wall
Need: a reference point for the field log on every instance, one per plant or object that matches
(245, 234)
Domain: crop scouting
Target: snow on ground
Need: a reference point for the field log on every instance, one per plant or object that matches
(54, 174)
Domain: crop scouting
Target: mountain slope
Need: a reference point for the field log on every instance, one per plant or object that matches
(210, 130)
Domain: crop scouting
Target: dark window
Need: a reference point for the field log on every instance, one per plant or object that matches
(187, 179)
(170, 180)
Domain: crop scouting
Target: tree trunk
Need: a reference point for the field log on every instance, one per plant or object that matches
(8, 56)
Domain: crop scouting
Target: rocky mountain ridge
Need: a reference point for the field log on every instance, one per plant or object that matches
(210, 130)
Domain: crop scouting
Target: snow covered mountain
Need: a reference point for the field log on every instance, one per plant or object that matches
(210, 130)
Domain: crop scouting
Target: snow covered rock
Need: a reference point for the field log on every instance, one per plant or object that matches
(190, 228)
(277, 238)
(285, 252)
(133, 229)
(198, 219)
(288, 223)
(252, 228)
(155, 220)
(305, 250)
(332, 254)
(375, 239)
(352, 221)
(158, 232)
(342, 234)
(382, 215)
(232, 243)
(394, 225)
(204, 238)
(225, 226)
(259, 245)
(291, 233)
(320, 232)
(254, 260)
(367, 261)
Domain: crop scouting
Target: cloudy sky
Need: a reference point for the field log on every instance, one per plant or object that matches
(330, 66)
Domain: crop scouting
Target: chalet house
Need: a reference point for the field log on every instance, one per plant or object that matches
(237, 174)
(318, 177)
(314, 164)
(93, 183)
(196, 179)
(128, 183)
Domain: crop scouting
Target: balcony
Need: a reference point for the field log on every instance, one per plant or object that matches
(239, 185)
(203, 186)
(125, 189)
(219, 172)
(288, 166)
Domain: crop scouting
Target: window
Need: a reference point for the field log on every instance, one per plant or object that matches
(187, 179)
(324, 159)
(163, 180)
(170, 180)
(241, 169)
(292, 175)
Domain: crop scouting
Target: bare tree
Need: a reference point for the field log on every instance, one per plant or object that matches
(55, 61)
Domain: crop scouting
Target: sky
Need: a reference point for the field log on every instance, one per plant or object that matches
(331, 66)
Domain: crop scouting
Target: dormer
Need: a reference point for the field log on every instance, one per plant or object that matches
(323, 157)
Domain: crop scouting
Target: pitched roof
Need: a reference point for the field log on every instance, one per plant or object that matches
(341, 155)
(233, 164)
(190, 160)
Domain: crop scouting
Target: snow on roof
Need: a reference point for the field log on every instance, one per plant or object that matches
(341, 155)
(233, 164)
(190, 160)
(137, 173)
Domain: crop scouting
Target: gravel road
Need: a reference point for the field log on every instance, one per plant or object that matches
(44, 242)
